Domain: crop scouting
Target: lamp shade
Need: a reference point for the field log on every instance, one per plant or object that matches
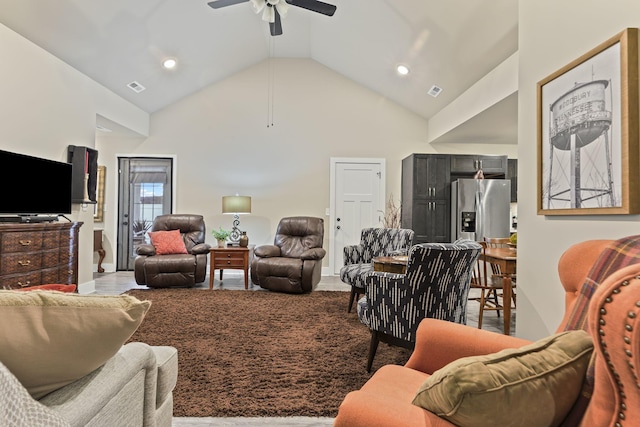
(236, 204)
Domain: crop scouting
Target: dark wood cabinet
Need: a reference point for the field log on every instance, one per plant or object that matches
(492, 166)
(38, 253)
(426, 189)
(426, 194)
(512, 174)
(84, 175)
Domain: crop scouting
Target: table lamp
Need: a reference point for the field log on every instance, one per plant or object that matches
(236, 205)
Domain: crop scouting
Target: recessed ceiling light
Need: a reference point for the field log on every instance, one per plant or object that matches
(402, 69)
(169, 63)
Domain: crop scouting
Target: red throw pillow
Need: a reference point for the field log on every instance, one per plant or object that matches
(50, 287)
(168, 242)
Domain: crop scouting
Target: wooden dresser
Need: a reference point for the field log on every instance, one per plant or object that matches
(38, 253)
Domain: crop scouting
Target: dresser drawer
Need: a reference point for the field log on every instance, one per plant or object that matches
(60, 274)
(18, 281)
(20, 262)
(21, 242)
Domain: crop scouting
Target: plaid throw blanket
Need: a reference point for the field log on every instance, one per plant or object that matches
(621, 253)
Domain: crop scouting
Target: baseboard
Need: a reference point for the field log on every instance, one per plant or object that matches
(326, 271)
(87, 287)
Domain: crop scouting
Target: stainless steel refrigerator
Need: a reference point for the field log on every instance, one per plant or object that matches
(480, 208)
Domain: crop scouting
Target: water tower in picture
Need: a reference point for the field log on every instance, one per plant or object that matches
(579, 118)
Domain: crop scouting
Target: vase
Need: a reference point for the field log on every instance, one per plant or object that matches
(221, 243)
(244, 240)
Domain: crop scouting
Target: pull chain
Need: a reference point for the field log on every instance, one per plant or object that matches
(270, 83)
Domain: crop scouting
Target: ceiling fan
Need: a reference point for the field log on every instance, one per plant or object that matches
(272, 10)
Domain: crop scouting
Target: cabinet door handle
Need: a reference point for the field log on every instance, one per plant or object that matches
(480, 161)
(25, 242)
(24, 263)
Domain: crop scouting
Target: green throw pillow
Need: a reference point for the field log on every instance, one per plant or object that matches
(534, 385)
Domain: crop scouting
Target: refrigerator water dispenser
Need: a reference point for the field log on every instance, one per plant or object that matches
(468, 222)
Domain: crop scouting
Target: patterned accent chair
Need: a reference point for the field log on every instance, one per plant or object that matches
(374, 242)
(436, 285)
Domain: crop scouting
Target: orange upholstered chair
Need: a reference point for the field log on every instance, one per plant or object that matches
(602, 283)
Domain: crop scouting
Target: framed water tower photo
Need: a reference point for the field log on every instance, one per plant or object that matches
(588, 132)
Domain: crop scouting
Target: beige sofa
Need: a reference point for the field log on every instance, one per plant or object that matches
(134, 388)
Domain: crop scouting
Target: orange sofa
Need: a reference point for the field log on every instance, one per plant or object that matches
(386, 399)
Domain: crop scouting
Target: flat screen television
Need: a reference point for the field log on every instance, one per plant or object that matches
(33, 185)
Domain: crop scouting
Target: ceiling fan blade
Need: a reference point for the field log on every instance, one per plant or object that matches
(217, 4)
(276, 26)
(314, 5)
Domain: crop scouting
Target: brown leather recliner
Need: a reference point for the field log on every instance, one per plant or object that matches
(174, 270)
(293, 263)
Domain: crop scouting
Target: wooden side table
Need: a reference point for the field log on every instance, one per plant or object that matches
(232, 258)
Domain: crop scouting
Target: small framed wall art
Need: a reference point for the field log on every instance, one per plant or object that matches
(588, 132)
(98, 213)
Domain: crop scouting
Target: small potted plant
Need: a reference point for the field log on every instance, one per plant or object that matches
(221, 236)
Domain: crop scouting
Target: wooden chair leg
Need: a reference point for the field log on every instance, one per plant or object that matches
(373, 346)
(495, 300)
(481, 311)
(355, 296)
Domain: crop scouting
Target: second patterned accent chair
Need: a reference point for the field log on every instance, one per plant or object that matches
(435, 285)
(374, 242)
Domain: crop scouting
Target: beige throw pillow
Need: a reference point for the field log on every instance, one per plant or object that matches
(50, 339)
(534, 385)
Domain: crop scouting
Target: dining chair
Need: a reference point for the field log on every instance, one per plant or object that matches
(487, 280)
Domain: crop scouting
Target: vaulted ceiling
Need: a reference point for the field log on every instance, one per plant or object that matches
(450, 43)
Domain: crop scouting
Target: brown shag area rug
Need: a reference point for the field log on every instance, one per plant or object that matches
(259, 353)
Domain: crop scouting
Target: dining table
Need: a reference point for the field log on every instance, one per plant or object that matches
(505, 259)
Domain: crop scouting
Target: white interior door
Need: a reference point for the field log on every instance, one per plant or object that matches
(357, 202)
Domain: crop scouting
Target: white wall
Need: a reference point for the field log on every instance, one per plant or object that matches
(552, 34)
(46, 106)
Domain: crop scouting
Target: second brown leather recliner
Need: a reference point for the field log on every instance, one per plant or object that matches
(293, 263)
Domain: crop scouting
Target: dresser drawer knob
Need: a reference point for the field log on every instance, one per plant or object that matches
(25, 242)
(24, 285)
(24, 263)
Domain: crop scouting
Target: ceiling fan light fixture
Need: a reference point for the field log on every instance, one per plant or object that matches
(258, 5)
(282, 7)
(269, 14)
(402, 69)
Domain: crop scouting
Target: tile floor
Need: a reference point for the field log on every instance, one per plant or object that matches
(119, 282)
